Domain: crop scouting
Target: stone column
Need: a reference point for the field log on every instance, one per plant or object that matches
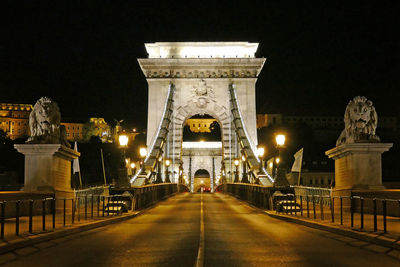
(358, 166)
(48, 168)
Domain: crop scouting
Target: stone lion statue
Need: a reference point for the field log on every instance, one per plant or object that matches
(44, 123)
(360, 122)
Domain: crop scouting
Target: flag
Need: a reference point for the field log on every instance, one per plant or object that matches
(75, 164)
(270, 166)
(298, 158)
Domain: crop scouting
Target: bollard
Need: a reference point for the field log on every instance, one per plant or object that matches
(321, 206)
(351, 211)
(85, 207)
(301, 206)
(44, 214)
(91, 208)
(375, 216)
(384, 215)
(65, 201)
(313, 202)
(3, 209)
(333, 209)
(308, 207)
(17, 217)
(295, 205)
(362, 212)
(103, 204)
(54, 212)
(30, 215)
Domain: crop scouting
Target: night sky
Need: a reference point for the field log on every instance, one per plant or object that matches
(319, 55)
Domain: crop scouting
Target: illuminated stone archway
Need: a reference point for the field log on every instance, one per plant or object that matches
(201, 73)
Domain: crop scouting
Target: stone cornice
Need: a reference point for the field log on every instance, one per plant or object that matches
(357, 148)
(201, 67)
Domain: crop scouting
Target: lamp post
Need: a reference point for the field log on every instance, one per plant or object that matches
(260, 154)
(142, 153)
(280, 176)
(236, 162)
(158, 175)
(133, 166)
(280, 144)
(123, 143)
(245, 178)
(167, 163)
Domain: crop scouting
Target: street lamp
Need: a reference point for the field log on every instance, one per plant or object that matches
(158, 176)
(280, 144)
(244, 174)
(260, 154)
(123, 143)
(167, 163)
(280, 176)
(236, 171)
(142, 153)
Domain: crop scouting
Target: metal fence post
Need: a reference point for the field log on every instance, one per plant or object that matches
(91, 208)
(79, 209)
(375, 216)
(17, 217)
(333, 208)
(3, 211)
(321, 204)
(44, 214)
(341, 210)
(85, 207)
(384, 215)
(313, 202)
(301, 206)
(352, 211)
(54, 211)
(103, 204)
(362, 212)
(65, 206)
(73, 211)
(30, 215)
(308, 207)
(98, 206)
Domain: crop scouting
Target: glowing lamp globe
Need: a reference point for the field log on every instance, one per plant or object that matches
(280, 139)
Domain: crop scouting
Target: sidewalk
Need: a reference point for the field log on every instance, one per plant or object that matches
(391, 239)
(12, 242)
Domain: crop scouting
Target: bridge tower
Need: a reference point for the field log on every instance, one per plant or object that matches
(196, 78)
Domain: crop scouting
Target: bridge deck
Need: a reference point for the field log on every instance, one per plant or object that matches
(234, 234)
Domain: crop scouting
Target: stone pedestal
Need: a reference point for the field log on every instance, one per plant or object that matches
(358, 166)
(48, 168)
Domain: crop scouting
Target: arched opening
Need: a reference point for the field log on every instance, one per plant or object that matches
(201, 128)
(202, 180)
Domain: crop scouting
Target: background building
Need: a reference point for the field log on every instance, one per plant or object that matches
(14, 119)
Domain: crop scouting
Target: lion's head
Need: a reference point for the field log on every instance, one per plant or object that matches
(45, 117)
(360, 121)
(44, 122)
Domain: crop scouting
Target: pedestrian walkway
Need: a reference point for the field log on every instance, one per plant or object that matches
(14, 231)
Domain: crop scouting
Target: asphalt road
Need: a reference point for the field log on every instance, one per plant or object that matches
(234, 234)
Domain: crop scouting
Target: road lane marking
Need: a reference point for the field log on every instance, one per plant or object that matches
(200, 253)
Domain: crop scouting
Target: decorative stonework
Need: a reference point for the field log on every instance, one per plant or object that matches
(201, 95)
(44, 123)
(202, 67)
(360, 121)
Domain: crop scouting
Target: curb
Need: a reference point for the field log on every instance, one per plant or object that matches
(375, 239)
